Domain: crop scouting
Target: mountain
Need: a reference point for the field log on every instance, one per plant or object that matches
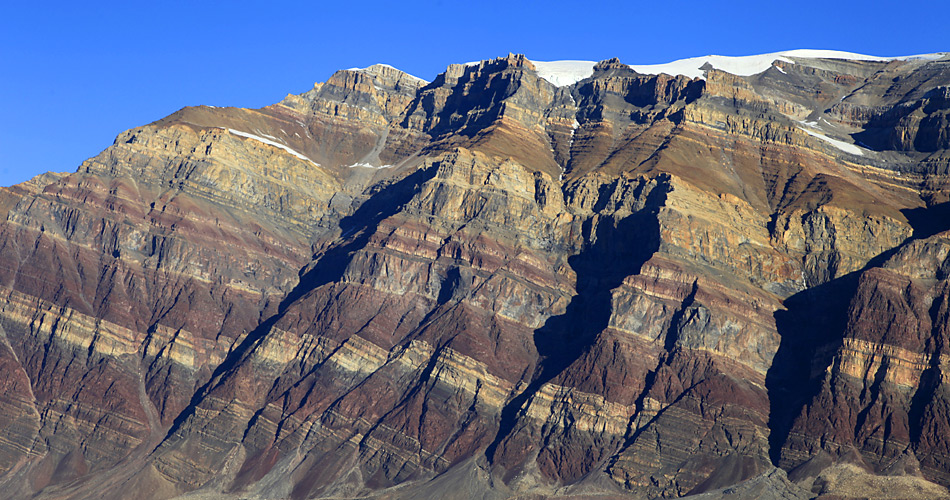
(522, 279)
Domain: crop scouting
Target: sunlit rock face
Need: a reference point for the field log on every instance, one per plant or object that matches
(523, 279)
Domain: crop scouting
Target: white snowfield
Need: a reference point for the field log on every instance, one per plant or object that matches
(271, 143)
(563, 73)
(368, 165)
(844, 146)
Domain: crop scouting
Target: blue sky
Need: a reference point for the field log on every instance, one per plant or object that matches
(74, 76)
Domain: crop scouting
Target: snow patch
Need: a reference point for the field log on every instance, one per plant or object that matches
(844, 146)
(270, 143)
(742, 66)
(753, 65)
(367, 165)
(562, 73)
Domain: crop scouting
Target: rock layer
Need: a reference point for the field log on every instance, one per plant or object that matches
(634, 286)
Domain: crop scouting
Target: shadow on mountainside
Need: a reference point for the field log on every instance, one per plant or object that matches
(812, 330)
(464, 111)
(928, 221)
(356, 231)
(615, 250)
(327, 267)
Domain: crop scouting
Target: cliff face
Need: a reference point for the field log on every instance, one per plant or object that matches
(632, 286)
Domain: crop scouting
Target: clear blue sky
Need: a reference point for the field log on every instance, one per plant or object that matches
(73, 75)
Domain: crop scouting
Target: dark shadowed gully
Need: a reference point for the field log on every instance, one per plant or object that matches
(614, 249)
(328, 266)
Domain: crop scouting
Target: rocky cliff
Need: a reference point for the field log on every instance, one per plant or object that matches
(491, 286)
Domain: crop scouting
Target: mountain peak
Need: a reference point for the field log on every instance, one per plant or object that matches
(387, 71)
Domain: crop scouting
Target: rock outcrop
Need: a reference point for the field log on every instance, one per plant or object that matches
(489, 286)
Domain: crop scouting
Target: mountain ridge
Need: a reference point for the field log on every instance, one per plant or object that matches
(383, 286)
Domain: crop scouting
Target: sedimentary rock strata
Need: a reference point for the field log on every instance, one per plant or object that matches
(632, 286)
